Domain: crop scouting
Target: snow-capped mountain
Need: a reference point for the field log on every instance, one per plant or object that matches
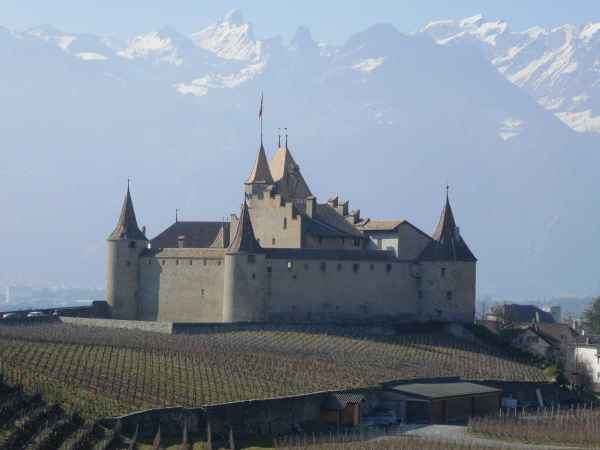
(560, 67)
(385, 120)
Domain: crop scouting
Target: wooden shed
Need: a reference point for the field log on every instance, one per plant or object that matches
(447, 401)
(342, 409)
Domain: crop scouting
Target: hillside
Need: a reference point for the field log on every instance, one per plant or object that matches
(104, 372)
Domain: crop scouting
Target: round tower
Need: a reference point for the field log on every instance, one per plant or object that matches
(244, 292)
(125, 245)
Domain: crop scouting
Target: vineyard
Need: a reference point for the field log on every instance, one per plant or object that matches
(572, 426)
(106, 372)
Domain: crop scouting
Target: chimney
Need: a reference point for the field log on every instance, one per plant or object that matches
(311, 206)
(181, 241)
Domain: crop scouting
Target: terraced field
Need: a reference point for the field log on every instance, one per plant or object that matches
(105, 372)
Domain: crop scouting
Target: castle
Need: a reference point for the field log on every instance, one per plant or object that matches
(289, 258)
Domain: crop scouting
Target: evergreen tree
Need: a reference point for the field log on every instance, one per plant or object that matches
(591, 317)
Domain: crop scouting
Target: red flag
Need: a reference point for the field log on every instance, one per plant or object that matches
(261, 106)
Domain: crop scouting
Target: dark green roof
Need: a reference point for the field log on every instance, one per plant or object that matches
(444, 390)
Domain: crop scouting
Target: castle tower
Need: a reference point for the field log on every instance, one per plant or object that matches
(125, 244)
(260, 177)
(286, 175)
(244, 298)
(447, 286)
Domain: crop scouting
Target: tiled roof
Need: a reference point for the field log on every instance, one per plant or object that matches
(338, 401)
(195, 234)
(127, 227)
(561, 333)
(447, 244)
(244, 239)
(260, 172)
(380, 225)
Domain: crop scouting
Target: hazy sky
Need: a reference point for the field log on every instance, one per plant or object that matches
(330, 21)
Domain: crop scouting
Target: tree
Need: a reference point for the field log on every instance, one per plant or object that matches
(591, 317)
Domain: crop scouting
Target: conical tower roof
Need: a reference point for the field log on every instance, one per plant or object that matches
(244, 240)
(127, 227)
(287, 174)
(447, 243)
(260, 172)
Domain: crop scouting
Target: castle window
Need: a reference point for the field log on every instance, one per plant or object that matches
(372, 266)
(251, 259)
(290, 265)
(449, 295)
(443, 272)
(202, 292)
(219, 263)
(379, 243)
(323, 267)
(163, 262)
(356, 242)
(254, 276)
(320, 240)
(339, 267)
(305, 266)
(176, 262)
(388, 268)
(269, 269)
(355, 267)
(128, 263)
(149, 262)
(420, 295)
(132, 244)
(204, 261)
(191, 262)
(273, 241)
(285, 223)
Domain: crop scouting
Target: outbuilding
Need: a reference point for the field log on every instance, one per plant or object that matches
(443, 402)
(342, 409)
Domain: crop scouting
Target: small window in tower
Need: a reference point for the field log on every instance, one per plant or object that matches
(290, 265)
(254, 276)
(323, 266)
(379, 243)
(320, 240)
(443, 272)
(204, 261)
(339, 267)
(420, 294)
(202, 292)
(163, 262)
(132, 244)
(356, 242)
(149, 261)
(191, 263)
(273, 241)
(251, 259)
(449, 295)
(176, 262)
(285, 223)
(388, 268)
(218, 262)
(269, 269)
(355, 267)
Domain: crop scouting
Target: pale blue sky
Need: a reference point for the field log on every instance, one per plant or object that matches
(330, 21)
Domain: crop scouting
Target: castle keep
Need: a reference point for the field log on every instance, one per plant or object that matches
(289, 258)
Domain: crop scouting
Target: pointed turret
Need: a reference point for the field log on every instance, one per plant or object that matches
(447, 244)
(261, 174)
(244, 240)
(286, 173)
(127, 227)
